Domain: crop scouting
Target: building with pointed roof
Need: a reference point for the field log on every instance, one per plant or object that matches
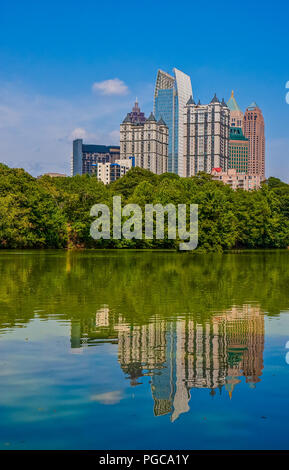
(191, 100)
(151, 118)
(206, 136)
(254, 130)
(215, 99)
(146, 140)
(236, 115)
(136, 116)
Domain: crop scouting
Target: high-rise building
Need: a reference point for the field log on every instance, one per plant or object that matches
(236, 116)
(254, 130)
(239, 150)
(85, 156)
(206, 136)
(170, 98)
(146, 140)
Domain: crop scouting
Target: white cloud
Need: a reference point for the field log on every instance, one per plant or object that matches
(36, 131)
(114, 86)
(78, 133)
(108, 398)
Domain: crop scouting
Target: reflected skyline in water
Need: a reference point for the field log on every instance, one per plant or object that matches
(145, 350)
(183, 354)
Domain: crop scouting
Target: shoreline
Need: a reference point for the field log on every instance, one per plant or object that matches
(143, 250)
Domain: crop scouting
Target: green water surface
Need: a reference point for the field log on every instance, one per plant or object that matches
(145, 350)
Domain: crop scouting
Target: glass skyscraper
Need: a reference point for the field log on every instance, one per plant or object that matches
(171, 96)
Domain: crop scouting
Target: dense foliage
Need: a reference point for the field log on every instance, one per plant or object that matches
(55, 212)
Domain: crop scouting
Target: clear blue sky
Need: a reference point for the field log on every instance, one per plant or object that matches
(51, 54)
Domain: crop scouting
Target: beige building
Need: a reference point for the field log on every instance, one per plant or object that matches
(146, 140)
(237, 180)
(254, 130)
(206, 136)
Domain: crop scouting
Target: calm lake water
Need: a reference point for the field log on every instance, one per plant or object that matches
(145, 350)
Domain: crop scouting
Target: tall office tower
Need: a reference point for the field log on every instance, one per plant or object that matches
(171, 96)
(254, 130)
(146, 140)
(206, 136)
(239, 150)
(84, 157)
(236, 117)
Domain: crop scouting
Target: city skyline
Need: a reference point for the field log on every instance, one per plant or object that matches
(61, 86)
(182, 355)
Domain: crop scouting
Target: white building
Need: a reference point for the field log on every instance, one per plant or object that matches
(109, 172)
(206, 136)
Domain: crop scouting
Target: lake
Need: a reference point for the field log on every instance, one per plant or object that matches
(144, 350)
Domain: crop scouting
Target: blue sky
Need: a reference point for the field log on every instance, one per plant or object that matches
(55, 55)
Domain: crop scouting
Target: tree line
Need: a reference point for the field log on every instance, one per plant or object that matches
(55, 212)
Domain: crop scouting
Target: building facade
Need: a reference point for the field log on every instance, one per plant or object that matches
(109, 172)
(170, 98)
(236, 180)
(145, 140)
(254, 130)
(236, 115)
(84, 156)
(239, 150)
(206, 136)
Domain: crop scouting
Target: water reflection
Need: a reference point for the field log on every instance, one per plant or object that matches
(159, 334)
(182, 354)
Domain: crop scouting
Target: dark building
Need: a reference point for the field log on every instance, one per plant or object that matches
(136, 116)
(85, 156)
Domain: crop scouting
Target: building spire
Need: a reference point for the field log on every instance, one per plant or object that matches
(136, 116)
(232, 103)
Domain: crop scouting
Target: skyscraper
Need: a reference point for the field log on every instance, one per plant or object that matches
(144, 139)
(239, 151)
(206, 136)
(254, 130)
(236, 115)
(170, 98)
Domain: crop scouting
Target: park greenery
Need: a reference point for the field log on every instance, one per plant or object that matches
(50, 212)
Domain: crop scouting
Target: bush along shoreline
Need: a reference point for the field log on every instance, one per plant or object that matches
(55, 212)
